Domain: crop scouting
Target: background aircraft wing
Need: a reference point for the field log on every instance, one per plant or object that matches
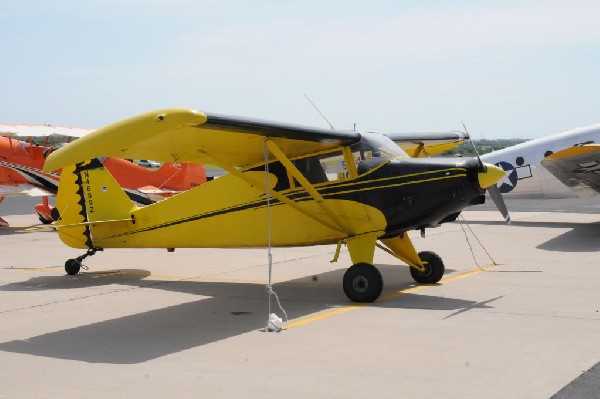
(8, 190)
(184, 135)
(156, 190)
(42, 131)
(424, 144)
(578, 168)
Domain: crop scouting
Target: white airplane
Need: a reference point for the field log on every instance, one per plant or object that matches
(563, 165)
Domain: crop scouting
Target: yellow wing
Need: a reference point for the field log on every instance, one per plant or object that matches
(420, 145)
(184, 135)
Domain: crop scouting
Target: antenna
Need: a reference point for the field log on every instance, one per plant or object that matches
(320, 113)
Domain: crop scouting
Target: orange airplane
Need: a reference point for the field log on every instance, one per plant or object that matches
(21, 164)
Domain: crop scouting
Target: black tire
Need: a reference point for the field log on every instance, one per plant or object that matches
(45, 221)
(55, 214)
(434, 268)
(363, 283)
(72, 266)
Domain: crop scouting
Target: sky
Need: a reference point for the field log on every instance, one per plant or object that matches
(507, 69)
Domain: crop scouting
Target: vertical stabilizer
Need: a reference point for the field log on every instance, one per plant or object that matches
(88, 193)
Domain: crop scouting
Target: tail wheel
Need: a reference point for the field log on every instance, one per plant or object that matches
(363, 283)
(72, 266)
(434, 268)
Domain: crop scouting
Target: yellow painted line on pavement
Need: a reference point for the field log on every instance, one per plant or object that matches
(411, 290)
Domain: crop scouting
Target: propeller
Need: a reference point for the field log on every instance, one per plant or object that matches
(496, 196)
(493, 190)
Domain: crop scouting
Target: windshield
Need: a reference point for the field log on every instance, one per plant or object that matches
(377, 147)
(371, 151)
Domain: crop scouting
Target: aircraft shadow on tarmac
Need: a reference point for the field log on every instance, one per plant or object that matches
(225, 310)
(583, 237)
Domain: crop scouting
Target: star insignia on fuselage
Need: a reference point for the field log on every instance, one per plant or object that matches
(509, 181)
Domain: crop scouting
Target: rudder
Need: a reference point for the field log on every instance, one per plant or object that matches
(88, 193)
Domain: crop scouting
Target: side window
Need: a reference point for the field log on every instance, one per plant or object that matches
(325, 167)
(338, 165)
(311, 169)
(334, 165)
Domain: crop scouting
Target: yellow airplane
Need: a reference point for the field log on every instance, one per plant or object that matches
(287, 185)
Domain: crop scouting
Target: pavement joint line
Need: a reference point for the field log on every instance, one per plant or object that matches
(406, 291)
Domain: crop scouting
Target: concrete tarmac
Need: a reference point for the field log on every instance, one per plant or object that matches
(147, 323)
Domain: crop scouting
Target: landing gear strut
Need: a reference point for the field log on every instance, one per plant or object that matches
(363, 283)
(72, 266)
(434, 268)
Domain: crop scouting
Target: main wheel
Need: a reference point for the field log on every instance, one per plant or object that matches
(363, 283)
(72, 266)
(434, 268)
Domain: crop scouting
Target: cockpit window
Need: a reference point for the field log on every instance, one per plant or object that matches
(374, 145)
(370, 152)
(376, 149)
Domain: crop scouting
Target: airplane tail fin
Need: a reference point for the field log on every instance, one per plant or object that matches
(88, 198)
(182, 176)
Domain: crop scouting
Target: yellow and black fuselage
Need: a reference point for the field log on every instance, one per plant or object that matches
(384, 199)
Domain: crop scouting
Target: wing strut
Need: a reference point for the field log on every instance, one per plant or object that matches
(310, 189)
(261, 186)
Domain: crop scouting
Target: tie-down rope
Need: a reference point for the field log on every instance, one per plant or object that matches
(462, 222)
(274, 323)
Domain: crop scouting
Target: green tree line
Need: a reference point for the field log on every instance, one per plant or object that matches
(483, 146)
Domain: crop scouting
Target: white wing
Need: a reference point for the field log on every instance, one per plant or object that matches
(42, 131)
(7, 190)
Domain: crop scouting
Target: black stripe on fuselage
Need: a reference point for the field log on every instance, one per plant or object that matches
(366, 184)
(333, 190)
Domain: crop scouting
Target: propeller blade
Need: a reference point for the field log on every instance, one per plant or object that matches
(482, 166)
(499, 201)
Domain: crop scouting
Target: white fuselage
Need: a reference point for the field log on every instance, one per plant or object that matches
(525, 176)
